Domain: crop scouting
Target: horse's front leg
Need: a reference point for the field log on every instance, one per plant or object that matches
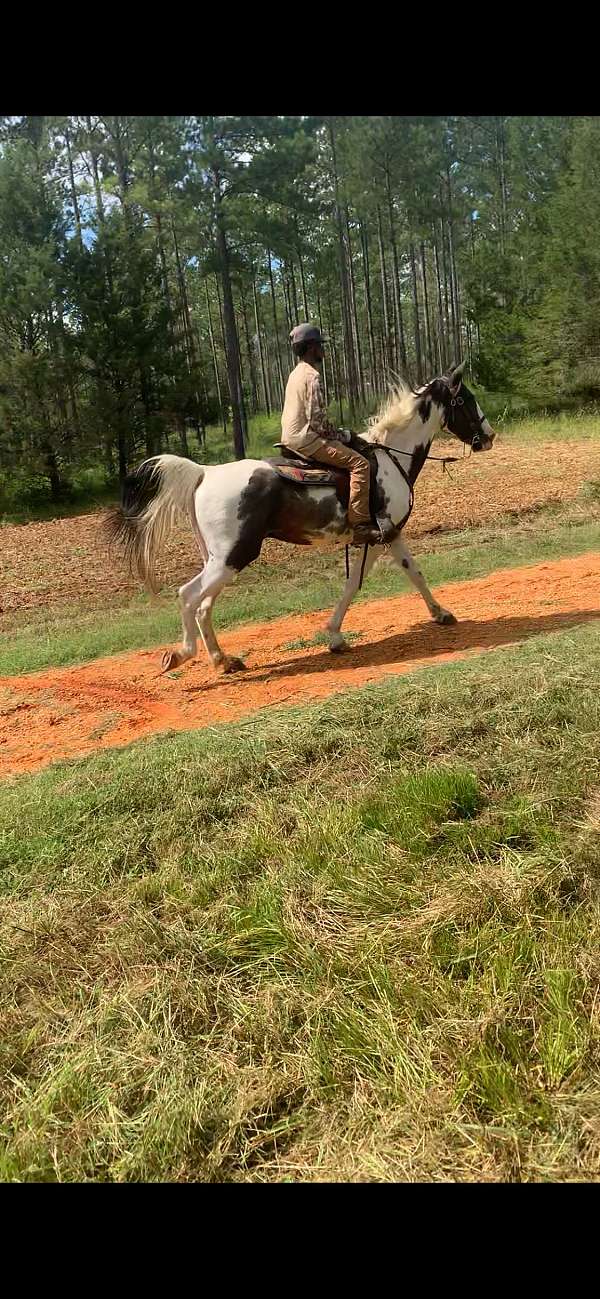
(336, 640)
(405, 560)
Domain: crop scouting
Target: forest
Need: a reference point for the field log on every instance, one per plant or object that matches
(151, 269)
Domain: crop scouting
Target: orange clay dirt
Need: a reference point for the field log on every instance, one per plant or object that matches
(67, 712)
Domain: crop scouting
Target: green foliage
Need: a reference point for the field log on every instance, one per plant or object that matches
(564, 334)
(152, 267)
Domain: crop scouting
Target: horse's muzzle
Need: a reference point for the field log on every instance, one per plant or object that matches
(483, 441)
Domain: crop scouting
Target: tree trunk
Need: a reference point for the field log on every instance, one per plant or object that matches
(221, 320)
(302, 279)
(95, 173)
(276, 328)
(251, 366)
(396, 276)
(501, 171)
(448, 307)
(233, 355)
(334, 358)
(73, 189)
(52, 471)
(452, 267)
(189, 341)
(263, 372)
(455, 293)
(387, 355)
(441, 338)
(344, 287)
(294, 294)
(215, 362)
(417, 324)
(160, 243)
(367, 283)
(325, 365)
(430, 356)
(287, 298)
(355, 328)
(122, 448)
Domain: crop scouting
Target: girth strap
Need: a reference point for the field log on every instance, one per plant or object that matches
(362, 567)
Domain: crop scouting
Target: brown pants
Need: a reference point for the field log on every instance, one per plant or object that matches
(341, 457)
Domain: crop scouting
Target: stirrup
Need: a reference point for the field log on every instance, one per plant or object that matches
(387, 530)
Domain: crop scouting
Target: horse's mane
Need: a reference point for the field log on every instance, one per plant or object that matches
(395, 412)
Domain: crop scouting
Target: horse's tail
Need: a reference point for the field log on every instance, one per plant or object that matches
(158, 494)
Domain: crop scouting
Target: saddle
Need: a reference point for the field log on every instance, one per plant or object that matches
(303, 473)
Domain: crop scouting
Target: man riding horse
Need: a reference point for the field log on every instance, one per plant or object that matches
(233, 508)
(306, 430)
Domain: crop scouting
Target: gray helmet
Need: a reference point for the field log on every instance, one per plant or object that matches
(306, 334)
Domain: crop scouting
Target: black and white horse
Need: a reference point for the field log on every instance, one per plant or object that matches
(233, 507)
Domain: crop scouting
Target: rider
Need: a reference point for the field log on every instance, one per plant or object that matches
(306, 429)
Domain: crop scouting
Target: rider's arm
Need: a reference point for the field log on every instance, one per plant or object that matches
(316, 414)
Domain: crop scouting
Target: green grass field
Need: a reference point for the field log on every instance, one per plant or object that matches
(356, 942)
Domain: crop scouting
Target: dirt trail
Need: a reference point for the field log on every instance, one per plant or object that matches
(64, 713)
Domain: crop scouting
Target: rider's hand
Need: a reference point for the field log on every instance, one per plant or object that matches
(344, 435)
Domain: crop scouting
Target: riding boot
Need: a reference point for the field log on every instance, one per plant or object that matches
(365, 534)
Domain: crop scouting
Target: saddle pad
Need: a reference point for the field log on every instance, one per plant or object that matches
(306, 477)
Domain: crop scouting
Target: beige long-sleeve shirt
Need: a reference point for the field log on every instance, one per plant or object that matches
(304, 422)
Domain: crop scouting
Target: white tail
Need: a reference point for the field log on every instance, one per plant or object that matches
(156, 496)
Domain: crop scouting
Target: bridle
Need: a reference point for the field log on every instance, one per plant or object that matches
(474, 422)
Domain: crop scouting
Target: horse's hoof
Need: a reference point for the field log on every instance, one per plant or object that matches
(170, 660)
(233, 665)
(446, 619)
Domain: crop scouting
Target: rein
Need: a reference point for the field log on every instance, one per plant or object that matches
(395, 451)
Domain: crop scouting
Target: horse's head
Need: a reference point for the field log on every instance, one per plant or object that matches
(462, 415)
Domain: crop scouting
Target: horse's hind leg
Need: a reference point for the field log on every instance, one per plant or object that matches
(405, 560)
(199, 595)
(333, 628)
(219, 660)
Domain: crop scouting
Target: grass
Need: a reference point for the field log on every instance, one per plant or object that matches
(575, 426)
(265, 592)
(357, 941)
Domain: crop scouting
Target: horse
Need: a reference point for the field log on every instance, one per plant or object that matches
(233, 507)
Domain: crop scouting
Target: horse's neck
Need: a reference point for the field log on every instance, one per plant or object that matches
(416, 436)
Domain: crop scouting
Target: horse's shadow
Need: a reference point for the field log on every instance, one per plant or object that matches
(420, 641)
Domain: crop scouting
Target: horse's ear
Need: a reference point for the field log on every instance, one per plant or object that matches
(456, 372)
